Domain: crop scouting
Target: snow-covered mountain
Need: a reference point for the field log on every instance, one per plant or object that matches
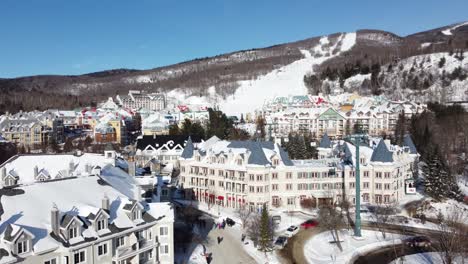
(241, 81)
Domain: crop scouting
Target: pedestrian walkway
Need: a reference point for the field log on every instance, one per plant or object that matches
(230, 250)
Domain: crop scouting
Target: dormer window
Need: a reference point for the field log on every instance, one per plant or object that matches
(72, 232)
(275, 162)
(101, 224)
(136, 214)
(22, 247)
(239, 162)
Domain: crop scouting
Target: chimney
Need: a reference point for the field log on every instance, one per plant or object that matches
(137, 193)
(55, 220)
(132, 168)
(71, 168)
(36, 172)
(105, 203)
(3, 172)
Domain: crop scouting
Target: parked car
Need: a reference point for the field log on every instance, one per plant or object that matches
(280, 242)
(291, 231)
(230, 222)
(309, 223)
(418, 242)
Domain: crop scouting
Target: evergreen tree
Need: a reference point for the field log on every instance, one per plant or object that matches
(88, 141)
(219, 125)
(441, 62)
(266, 231)
(261, 127)
(348, 127)
(137, 122)
(439, 183)
(301, 148)
(174, 130)
(400, 129)
(68, 146)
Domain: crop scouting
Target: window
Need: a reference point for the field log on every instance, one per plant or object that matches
(259, 189)
(378, 186)
(386, 198)
(259, 177)
(387, 186)
(378, 198)
(51, 261)
(387, 175)
(352, 185)
(378, 175)
(72, 232)
(366, 174)
(275, 162)
(288, 175)
(22, 246)
(274, 175)
(80, 257)
(365, 185)
(164, 249)
(251, 177)
(102, 249)
(351, 174)
(274, 187)
(251, 189)
(288, 186)
(101, 224)
(163, 231)
(291, 200)
(120, 241)
(136, 214)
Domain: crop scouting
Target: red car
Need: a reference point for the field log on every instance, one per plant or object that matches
(309, 224)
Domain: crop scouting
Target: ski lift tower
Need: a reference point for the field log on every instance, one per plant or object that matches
(357, 139)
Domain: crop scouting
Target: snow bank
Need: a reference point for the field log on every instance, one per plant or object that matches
(424, 258)
(319, 250)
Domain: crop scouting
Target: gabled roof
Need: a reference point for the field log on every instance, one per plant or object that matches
(381, 153)
(257, 156)
(325, 142)
(160, 140)
(188, 149)
(408, 142)
(285, 157)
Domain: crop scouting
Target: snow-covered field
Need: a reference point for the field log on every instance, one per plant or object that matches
(425, 258)
(319, 250)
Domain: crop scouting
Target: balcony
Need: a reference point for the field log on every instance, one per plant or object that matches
(133, 250)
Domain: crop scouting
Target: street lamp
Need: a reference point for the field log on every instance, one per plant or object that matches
(356, 139)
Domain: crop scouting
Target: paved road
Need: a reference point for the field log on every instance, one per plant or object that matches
(294, 251)
(230, 250)
(387, 254)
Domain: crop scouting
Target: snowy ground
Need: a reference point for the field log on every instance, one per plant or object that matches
(319, 249)
(425, 258)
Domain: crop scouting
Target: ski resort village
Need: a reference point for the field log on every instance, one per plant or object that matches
(347, 148)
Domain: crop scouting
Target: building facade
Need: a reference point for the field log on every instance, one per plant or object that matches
(236, 174)
(78, 219)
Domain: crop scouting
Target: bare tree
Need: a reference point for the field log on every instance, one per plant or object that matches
(381, 215)
(244, 214)
(451, 241)
(332, 220)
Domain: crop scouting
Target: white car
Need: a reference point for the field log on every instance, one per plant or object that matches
(291, 231)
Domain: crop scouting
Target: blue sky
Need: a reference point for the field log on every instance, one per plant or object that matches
(74, 37)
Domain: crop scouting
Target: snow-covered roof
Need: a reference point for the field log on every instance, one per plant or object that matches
(76, 197)
(56, 166)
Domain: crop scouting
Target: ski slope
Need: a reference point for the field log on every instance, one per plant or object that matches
(287, 80)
